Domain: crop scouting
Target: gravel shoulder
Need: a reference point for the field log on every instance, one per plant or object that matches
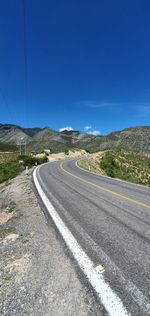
(37, 275)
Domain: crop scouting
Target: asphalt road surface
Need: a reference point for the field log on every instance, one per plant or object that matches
(106, 224)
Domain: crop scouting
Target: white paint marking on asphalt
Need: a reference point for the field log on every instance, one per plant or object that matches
(114, 179)
(100, 269)
(109, 299)
(138, 297)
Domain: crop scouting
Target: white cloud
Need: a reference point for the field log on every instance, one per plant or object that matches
(99, 104)
(86, 128)
(102, 105)
(66, 128)
(95, 133)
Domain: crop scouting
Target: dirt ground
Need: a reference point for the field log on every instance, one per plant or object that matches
(62, 155)
(92, 163)
(37, 275)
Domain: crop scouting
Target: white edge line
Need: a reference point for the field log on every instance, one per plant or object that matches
(115, 179)
(109, 299)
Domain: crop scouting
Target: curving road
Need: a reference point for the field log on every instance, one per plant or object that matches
(109, 221)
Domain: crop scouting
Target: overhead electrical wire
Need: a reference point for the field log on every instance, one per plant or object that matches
(25, 60)
(5, 104)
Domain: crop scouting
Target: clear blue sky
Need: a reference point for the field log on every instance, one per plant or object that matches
(88, 63)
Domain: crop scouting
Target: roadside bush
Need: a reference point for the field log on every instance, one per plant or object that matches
(30, 161)
(9, 170)
(66, 152)
(125, 165)
(107, 164)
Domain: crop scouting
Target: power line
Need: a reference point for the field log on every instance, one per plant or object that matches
(22, 142)
(25, 56)
(7, 107)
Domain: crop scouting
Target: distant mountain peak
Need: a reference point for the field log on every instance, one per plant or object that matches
(132, 138)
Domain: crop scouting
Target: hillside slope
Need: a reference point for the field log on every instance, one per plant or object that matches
(121, 164)
(132, 138)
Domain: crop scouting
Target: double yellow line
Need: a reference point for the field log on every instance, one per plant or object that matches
(104, 189)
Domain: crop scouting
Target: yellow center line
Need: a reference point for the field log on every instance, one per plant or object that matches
(104, 189)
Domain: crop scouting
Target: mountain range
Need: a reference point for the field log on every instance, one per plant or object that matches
(37, 139)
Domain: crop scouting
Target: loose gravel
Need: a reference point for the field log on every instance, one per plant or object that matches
(37, 274)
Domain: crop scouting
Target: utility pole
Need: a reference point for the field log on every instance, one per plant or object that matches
(21, 139)
(25, 147)
(23, 143)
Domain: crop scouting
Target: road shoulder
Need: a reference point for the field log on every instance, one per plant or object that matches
(37, 276)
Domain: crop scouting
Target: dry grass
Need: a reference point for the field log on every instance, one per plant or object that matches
(92, 163)
(120, 164)
(6, 157)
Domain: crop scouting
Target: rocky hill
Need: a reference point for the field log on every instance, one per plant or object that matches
(37, 139)
(119, 163)
(132, 138)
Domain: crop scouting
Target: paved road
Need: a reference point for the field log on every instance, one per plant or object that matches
(110, 220)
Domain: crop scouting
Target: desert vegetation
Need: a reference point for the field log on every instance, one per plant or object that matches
(29, 160)
(128, 166)
(121, 164)
(8, 156)
(7, 147)
(12, 164)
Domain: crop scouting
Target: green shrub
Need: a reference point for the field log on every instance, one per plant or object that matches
(126, 165)
(8, 147)
(9, 170)
(107, 164)
(66, 152)
(30, 161)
